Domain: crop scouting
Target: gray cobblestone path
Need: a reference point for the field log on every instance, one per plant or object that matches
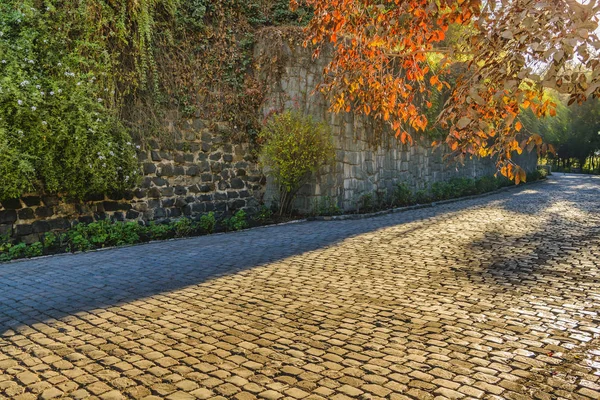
(497, 297)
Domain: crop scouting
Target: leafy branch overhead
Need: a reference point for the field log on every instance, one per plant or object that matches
(391, 56)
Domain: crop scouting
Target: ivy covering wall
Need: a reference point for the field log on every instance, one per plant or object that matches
(81, 82)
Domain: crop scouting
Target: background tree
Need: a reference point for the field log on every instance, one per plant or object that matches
(512, 50)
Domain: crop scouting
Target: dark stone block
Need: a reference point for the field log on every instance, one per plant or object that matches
(180, 190)
(8, 216)
(154, 193)
(193, 170)
(197, 124)
(237, 183)
(128, 195)
(166, 191)
(40, 226)
(160, 213)
(207, 137)
(50, 201)
(166, 170)
(178, 170)
(166, 155)
(159, 181)
(244, 194)
(146, 183)
(22, 230)
(206, 178)
(168, 203)
(232, 195)
(205, 198)
(221, 207)
(194, 189)
(142, 155)
(86, 219)
(140, 193)
(6, 230)
(179, 158)
(180, 202)
(44, 212)
(209, 207)
(153, 204)
(215, 156)
(198, 207)
(241, 172)
(187, 210)
(26, 213)
(32, 201)
(206, 147)
(132, 214)
(216, 167)
(190, 199)
(174, 212)
(149, 168)
(202, 157)
(237, 204)
(155, 156)
(59, 223)
(188, 157)
(220, 196)
(206, 188)
(228, 158)
(110, 206)
(12, 204)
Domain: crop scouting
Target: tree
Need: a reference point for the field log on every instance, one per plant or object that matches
(511, 50)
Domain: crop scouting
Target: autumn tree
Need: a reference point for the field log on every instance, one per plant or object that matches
(390, 56)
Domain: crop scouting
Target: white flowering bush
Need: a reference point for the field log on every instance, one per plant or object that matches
(59, 128)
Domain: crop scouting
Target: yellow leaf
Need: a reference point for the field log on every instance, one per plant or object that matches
(518, 126)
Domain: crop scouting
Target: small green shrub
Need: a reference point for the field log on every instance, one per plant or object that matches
(421, 197)
(325, 206)
(34, 250)
(294, 147)
(236, 222)
(264, 214)
(122, 233)
(183, 227)
(208, 222)
(156, 231)
(486, 184)
(402, 195)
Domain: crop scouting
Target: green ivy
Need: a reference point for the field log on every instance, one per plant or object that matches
(59, 125)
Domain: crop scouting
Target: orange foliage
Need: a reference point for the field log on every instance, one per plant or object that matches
(381, 68)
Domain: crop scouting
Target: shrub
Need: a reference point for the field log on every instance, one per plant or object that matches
(208, 222)
(156, 231)
(236, 222)
(59, 129)
(294, 147)
(402, 195)
(326, 205)
(183, 227)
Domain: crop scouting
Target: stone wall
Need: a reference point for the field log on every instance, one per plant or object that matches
(204, 171)
(360, 166)
(201, 172)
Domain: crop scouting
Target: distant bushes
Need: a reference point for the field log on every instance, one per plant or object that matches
(402, 195)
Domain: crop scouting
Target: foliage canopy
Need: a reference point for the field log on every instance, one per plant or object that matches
(510, 51)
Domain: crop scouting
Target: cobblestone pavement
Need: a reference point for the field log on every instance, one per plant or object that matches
(496, 297)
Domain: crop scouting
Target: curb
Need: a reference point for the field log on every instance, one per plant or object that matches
(345, 217)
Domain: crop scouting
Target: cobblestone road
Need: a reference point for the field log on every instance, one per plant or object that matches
(497, 297)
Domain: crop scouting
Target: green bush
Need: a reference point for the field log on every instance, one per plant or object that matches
(236, 222)
(156, 231)
(183, 227)
(325, 206)
(402, 195)
(59, 129)
(208, 222)
(294, 147)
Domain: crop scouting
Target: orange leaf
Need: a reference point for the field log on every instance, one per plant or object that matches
(518, 126)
